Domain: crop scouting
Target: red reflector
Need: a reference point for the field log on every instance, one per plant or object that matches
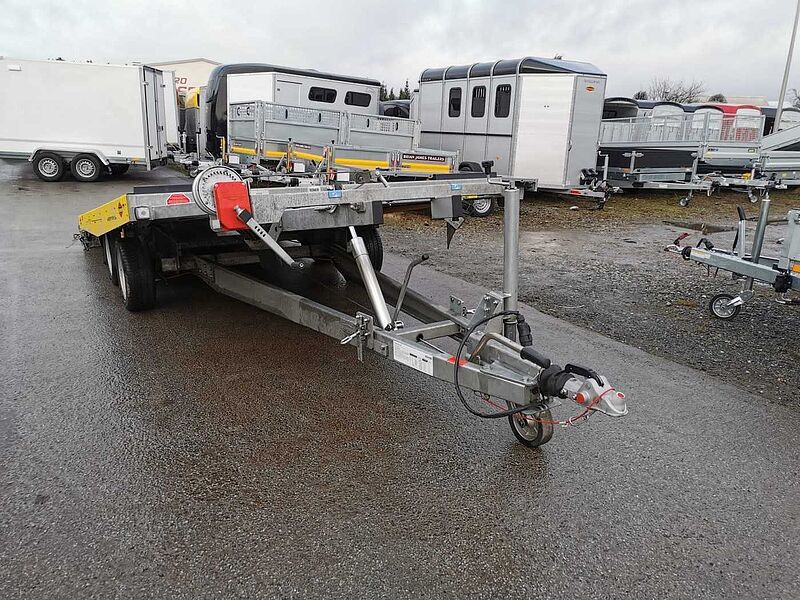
(178, 199)
(580, 398)
(575, 192)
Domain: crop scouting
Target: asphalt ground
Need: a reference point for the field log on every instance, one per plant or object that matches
(209, 449)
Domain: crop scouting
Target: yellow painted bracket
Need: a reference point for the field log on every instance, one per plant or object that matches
(106, 217)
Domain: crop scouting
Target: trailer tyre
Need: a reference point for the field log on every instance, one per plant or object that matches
(477, 207)
(374, 243)
(532, 433)
(481, 207)
(86, 167)
(49, 166)
(107, 242)
(136, 277)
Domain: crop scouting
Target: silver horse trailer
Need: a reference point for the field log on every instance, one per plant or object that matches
(537, 119)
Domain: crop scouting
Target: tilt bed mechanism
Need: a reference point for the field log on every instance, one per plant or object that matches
(276, 248)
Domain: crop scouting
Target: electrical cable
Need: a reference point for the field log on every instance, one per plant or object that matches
(507, 413)
(457, 366)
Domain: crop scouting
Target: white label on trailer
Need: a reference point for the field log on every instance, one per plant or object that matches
(413, 357)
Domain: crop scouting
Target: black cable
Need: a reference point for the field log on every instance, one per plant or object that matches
(457, 366)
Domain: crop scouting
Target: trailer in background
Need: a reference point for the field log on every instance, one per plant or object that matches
(620, 107)
(305, 88)
(790, 117)
(533, 118)
(749, 265)
(102, 118)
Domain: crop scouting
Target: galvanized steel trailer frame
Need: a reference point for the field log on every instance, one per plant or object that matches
(494, 363)
(782, 273)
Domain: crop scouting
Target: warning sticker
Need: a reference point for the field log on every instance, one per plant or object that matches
(413, 357)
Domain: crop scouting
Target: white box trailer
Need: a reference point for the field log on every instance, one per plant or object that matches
(90, 118)
(537, 119)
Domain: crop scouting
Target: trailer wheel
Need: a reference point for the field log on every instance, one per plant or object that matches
(482, 207)
(117, 170)
(529, 432)
(49, 166)
(136, 278)
(720, 309)
(107, 242)
(86, 167)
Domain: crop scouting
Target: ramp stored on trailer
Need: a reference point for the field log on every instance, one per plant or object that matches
(91, 118)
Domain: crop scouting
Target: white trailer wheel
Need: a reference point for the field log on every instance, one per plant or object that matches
(86, 167)
(49, 167)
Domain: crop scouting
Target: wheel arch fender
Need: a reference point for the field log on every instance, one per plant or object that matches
(69, 153)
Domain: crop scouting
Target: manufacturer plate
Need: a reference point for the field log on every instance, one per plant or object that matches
(413, 357)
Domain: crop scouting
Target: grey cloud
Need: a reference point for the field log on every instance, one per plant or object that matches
(739, 51)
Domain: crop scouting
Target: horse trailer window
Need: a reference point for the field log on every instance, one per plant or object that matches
(318, 94)
(502, 101)
(478, 101)
(454, 105)
(357, 99)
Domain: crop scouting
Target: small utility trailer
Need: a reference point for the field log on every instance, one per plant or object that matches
(274, 135)
(92, 119)
(781, 273)
(251, 243)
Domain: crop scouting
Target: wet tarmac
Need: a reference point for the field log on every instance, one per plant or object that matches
(208, 449)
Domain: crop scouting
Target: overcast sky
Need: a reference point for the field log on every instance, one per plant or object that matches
(734, 47)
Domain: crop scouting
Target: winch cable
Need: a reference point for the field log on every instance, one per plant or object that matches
(507, 413)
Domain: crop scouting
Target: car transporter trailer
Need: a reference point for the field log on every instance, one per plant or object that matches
(221, 230)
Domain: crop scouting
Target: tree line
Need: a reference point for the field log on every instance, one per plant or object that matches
(403, 94)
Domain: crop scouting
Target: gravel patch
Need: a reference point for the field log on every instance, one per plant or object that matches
(607, 271)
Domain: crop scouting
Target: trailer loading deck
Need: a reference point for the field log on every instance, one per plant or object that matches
(221, 229)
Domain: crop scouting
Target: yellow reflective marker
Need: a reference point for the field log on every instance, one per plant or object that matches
(106, 217)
